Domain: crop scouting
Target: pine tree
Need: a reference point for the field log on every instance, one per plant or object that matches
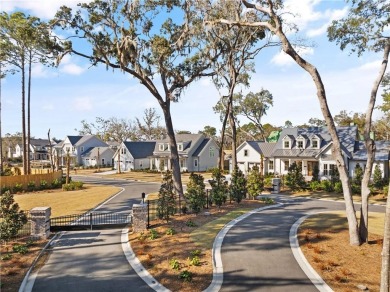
(219, 188)
(294, 177)
(12, 219)
(377, 179)
(196, 195)
(255, 183)
(166, 203)
(358, 175)
(237, 187)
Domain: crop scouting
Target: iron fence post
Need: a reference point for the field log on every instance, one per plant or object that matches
(148, 226)
(90, 219)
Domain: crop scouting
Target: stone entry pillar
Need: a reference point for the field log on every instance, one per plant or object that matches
(140, 217)
(40, 222)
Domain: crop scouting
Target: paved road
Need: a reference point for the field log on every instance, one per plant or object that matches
(94, 260)
(256, 253)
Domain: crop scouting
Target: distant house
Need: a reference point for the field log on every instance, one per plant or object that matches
(196, 153)
(101, 156)
(75, 146)
(39, 149)
(311, 148)
(251, 153)
(134, 155)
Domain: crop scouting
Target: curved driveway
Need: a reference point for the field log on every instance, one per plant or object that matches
(93, 260)
(256, 252)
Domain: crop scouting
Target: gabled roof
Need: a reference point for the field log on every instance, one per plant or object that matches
(188, 141)
(96, 151)
(140, 149)
(201, 146)
(260, 147)
(74, 139)
(382, 152)
(86, 138)
(347, 136)
(39, 142)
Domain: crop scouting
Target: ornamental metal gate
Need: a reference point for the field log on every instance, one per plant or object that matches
(90, 220)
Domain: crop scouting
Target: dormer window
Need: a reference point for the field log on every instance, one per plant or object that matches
(180, 147)
(246, 152)
(314, 144)
(167, 147)
(160, 147)
(300, 144)
(286, 144)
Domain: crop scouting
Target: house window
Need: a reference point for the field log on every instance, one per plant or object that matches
(67, 149)
(314, 144)
(182, 164)
(300, 144)
(326, 171)
(180, 147)
(330, 169)
(161, 147)
(72, 149)
(271, 165)
(140, 164)
(123, 150)
(103, 161)
(286, 165)
(196, 162)
(246, 152)
(168, 148)
(82, 148)
(286, 145)
(212, 154)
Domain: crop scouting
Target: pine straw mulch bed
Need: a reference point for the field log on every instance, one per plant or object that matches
(160, 255)
(14, 265)
(342, 266)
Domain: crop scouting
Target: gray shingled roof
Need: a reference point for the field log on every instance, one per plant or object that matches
(186, 139)
(140, 149)
(382, 152)
(347, 136)
(93, 151)
(74, 139)
(200, 147)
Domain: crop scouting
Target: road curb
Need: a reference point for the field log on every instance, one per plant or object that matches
(301, 259)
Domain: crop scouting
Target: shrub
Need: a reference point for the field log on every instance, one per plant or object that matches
(190, 223)
(219, 188)
(6, 257)
(267, 200)
(377, 177)
(55, 184)
(196, 194)
(12, 218)
(174, 263)
(237, 188)
(31, 186)
(43, 185)
(358, 175)
(153, 234)
(195, 252)
(166, 203)
(5, 189)
(316, 173)
(385, 190)
(195, 261)
(22, 249)
(170, 231)
(78, 185)
(17, 188)
(255, 183)
(327, 185)
(294, 177)
(338, 187)
(356, 189)
(186, 276)
(315, 185)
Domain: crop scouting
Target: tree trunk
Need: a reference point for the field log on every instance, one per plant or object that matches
(370, 146)
(24, 141)
(234, 138)
(1, 137)
(221, 156)
(321, 94)
(50, 152)
(386, 249)
(119, 158)
(28, 116)
(174, 159)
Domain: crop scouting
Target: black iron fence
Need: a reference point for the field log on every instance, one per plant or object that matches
(90, 220)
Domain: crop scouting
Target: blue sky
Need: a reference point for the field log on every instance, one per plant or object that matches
(74, 91)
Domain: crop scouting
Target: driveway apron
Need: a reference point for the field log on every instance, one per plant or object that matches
(94, 260)
(256, 253)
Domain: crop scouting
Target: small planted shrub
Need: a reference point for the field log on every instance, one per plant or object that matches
(5, 189)
(267, 200)
(186, 276)
(338, 187)
(170, 231)
(195, 261)
(78, 185)
(174, 264)
(153, 234)
(315, 185)
(55, 184)
(327, 185)
(195, 252)
(18, 248)
(190, 223)
(43, 185)
(6, 257)
(31, 186)
(17, 188)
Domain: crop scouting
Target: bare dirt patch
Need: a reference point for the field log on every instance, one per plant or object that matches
(14, 265)
(342, 266)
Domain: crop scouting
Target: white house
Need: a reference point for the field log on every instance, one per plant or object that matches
(251, 153)
(196, 153)
(134, 155)
(75, 146)
(102, 156)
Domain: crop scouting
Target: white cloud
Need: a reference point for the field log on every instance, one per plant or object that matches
(82, 104)
(72, 69)
(301, 12)
(40, 71)
(370, 66)
(282, 59)
(48, 107)
(41, 8)
(330, 15)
